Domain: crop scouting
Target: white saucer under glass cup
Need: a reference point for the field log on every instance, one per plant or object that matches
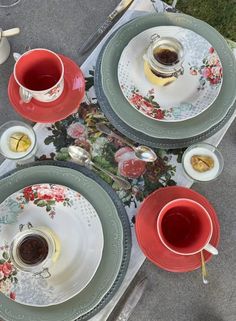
(18, 141)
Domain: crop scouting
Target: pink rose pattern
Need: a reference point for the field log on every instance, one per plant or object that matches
(147, 105)
(7, 275)
(110, 153)
(45, 195)
(210, 71)
(128, 164)
(54, 91)
(77, 131)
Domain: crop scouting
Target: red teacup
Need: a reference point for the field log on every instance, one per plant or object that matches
(185, 227)
(40, 75)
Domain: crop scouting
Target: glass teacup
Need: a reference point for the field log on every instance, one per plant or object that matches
(163, 61)
(35, 250)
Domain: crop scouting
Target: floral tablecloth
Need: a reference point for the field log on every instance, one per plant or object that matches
(112, 154)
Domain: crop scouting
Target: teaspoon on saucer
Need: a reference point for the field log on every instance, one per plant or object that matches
(82, 157)
(142, 152)
(204, 271)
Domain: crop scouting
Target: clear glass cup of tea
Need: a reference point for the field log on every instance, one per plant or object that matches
(35, 250)
(17, 141)
(164, 60)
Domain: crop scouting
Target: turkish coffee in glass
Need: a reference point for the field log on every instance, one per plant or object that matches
(35, 250)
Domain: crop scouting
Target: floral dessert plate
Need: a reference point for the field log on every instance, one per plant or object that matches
(149, 240)
(116, 233)
(66, 104)
(80, 237)
(117, 108)
(188, 96)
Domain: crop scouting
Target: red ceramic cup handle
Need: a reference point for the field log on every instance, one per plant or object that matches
(25, 95)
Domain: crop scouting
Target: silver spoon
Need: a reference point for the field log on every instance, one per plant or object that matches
(204, 271)
(142, 152)
(82, 157)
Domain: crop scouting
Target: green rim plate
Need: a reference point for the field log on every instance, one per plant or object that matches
(142, 138)
(181, 130)
(117, 241)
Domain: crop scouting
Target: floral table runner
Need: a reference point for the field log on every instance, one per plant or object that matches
(112, 154)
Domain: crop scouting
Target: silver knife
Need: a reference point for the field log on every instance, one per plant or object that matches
(90, 42)
(132, 300)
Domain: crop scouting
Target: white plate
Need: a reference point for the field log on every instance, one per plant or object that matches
(185, 98)
(76, 223)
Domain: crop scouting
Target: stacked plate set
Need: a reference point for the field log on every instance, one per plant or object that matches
(65, 243)
(190, 109)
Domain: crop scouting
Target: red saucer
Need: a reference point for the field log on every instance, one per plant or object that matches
(66, 104)
(149, 240)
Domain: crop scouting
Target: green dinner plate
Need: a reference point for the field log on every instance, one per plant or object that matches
(163, 130)
(117, 241)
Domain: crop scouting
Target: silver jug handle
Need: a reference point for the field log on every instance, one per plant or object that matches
(179, 72)
(45, 274)
(25, 226)
(154, 37)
